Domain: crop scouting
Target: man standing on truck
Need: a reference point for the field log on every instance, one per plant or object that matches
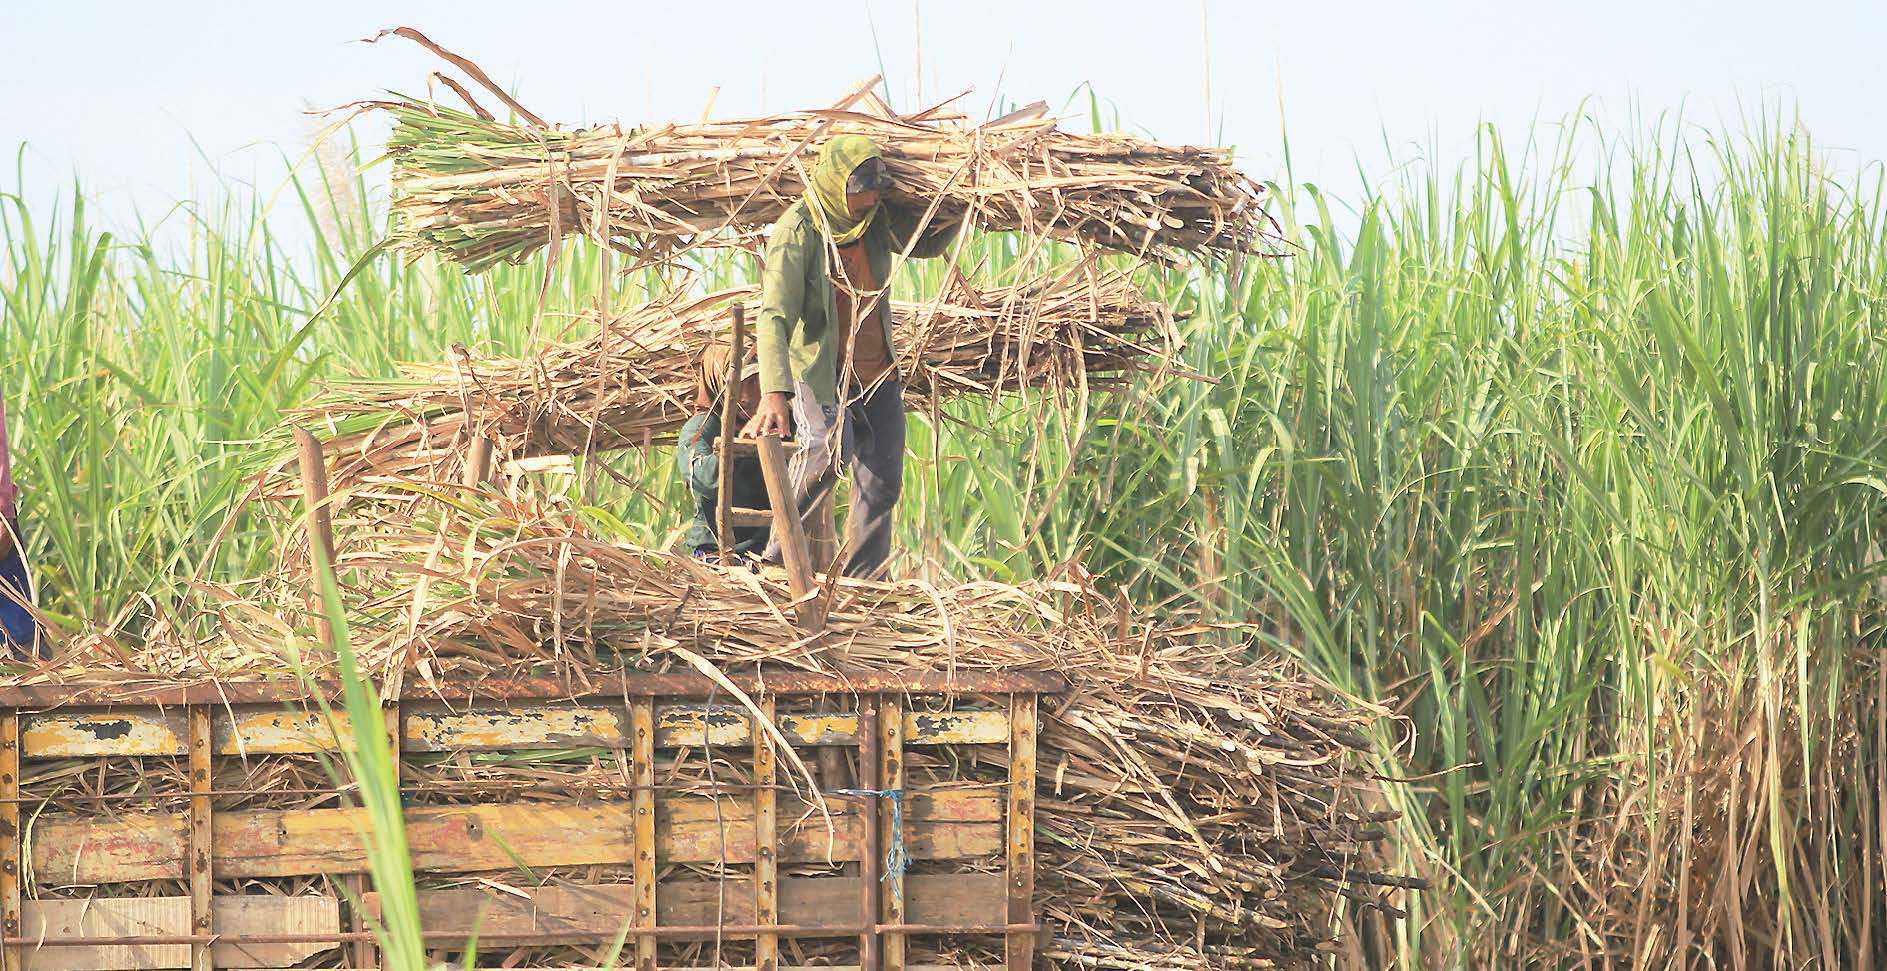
(828, 366)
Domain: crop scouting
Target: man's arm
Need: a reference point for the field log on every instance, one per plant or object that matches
(700, 464)
(782, 296)
(935, 239)
(782, 300)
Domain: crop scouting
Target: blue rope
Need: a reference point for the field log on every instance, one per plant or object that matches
(895, 858)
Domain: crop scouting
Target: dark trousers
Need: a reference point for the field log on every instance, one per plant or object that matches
(18, 629)
(868, 436)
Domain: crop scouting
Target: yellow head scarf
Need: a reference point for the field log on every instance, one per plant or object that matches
(825, 196)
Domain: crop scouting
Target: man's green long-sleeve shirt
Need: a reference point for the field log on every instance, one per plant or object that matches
(792, 335)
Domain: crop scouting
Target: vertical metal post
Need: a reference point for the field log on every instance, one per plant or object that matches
(871, 864)
(642, 758)
(1020, 950)
(202, 850)
(766, 841)
(730, 417)
(891, 779)
(13, 851)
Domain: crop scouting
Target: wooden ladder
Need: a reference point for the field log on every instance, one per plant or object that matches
(782, 516)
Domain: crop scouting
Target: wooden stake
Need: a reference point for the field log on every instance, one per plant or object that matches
(201, 851)
(730, 415)
(320, 532)
(791, 533)
(823, 538)
(478, 461)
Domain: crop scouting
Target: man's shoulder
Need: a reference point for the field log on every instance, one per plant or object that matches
(690, 435)
(794, 222)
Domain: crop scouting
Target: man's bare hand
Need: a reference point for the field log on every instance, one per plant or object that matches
(775, 417)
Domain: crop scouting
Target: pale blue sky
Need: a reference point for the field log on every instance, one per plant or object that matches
(116, 92)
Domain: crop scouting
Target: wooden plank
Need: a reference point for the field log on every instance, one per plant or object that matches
(749, 517)
(201, 853)
(150, 731)
(942, 899)
(891, 778)
(766, 867)
(633, 684)
(795, 555)
(82, 850)
(12, 841)
(115, 916)
(162, 731)
(1019, 950)
(642, 758)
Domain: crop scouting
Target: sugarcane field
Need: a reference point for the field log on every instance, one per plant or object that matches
(879, 487)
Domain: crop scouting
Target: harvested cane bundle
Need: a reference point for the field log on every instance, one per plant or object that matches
(631, 382)
(480, 192)
(1195, 810)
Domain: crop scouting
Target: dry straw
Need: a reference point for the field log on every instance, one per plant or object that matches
(480, 191)
(1196, 810)
(631, 381)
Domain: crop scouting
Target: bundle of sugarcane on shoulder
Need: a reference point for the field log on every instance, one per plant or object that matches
(1200, 806)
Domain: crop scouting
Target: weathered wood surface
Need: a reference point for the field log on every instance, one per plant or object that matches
(66, 849)
(201, 853)
(766, 869)
(1019, 950)
(632, 684)
(154, 916)
(12, 887)
(643, 846)
(941, 899)
(275, 731)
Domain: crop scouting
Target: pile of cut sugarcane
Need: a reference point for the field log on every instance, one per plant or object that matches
(479, 191)
(1196, 809)
(631, 382)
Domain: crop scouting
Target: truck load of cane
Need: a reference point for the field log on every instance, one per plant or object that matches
(459, 723)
